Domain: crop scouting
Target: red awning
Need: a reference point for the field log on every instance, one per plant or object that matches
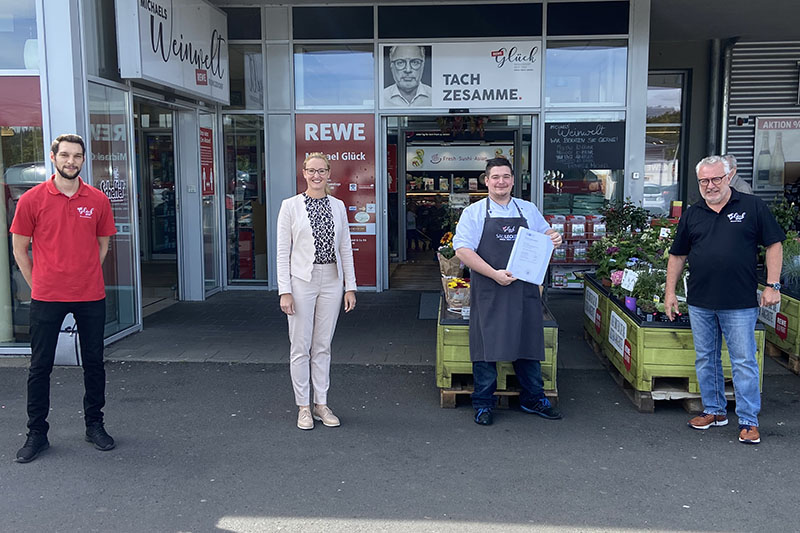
(20, 101)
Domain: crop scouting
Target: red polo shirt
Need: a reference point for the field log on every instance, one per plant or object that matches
(64, 230)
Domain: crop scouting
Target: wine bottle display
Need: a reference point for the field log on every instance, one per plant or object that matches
(762, 162)
(777, 162)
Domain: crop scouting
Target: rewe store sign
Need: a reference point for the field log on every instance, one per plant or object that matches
(182, 44)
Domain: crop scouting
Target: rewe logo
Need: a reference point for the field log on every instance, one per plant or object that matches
(85, 212)
(201, 76)
(736, 217)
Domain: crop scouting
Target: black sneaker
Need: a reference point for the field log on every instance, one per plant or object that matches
(34, 445)
(483, 416)
(96, 434)
(542, 408)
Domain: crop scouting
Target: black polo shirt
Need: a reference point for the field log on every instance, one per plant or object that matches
(722, 250)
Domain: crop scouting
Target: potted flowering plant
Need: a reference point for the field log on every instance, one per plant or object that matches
(449, 264)
(456, 292)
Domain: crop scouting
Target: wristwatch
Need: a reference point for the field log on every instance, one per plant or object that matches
(776, 286)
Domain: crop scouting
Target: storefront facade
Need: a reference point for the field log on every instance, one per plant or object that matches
(197, 151)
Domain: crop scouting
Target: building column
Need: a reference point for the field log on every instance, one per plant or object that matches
(61, 69)
(636, 120)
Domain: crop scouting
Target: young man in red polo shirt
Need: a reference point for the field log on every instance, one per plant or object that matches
(70, 224)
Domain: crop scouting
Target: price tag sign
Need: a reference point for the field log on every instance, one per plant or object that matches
(626, 356)
(598, 320)
(664, 233)
(781, 325)
(629, 278)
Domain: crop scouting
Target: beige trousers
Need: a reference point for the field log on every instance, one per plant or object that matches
(311, 327)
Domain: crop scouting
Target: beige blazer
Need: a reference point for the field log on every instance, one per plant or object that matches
(296, 244)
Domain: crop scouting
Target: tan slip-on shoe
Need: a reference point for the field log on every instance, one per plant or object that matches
(304, 418)
(326, 416)
(749, 435)
(705, 421)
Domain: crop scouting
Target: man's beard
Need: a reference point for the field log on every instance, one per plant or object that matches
(64, 173)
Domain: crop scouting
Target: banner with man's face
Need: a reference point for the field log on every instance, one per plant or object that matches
(461, 75)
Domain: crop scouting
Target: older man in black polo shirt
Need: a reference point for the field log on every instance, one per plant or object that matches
(720, 236)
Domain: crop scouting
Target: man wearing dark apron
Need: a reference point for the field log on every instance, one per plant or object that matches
(505, 313)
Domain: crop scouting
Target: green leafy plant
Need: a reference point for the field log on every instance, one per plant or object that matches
(790, 270)
(785, 213)
(648, 285)
(621, 217)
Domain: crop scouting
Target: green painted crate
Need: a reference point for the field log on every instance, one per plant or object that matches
(790, 308)
(658, 350)
(452, 352)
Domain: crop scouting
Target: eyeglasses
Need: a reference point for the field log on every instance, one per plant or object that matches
(403, 64)
(715, 180)
(320, 171)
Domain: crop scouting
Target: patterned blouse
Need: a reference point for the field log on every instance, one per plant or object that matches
(321, 218)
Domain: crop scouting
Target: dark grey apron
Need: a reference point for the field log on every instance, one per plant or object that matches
(505, 323)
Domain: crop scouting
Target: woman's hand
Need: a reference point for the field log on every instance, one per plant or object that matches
(287, 303)
(349, 301)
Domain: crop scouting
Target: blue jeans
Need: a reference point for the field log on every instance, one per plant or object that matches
(529, 376)
(738, 327)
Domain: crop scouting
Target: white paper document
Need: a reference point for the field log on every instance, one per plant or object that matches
(530, 256)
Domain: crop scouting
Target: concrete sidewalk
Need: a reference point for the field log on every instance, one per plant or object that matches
(249, 327)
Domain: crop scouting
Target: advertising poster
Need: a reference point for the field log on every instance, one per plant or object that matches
(110, 174)
(207, 161)
(462, 75)
(776, 160)
(349, 143)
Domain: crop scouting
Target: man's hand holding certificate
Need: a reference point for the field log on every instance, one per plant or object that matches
(530, 256)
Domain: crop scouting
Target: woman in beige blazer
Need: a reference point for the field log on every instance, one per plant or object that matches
(315, 267)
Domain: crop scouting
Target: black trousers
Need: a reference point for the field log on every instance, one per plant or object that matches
(46, 320)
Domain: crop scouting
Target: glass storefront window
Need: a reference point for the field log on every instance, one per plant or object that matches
(586, 73)
(246, 76)
(19, 48)
(209, 213)
(334, 76)
(245, 198)
(663, 136)
(109, 120)
(21, 167)
(101, 39)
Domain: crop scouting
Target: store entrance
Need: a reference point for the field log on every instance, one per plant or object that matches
(156, 184)
(435, 169)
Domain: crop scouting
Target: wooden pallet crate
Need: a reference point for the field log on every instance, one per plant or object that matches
(462, 387)
(656, 358)
(784, 347)
(452, 356)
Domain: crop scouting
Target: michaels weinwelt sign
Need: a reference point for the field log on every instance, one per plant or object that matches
(182, 44)
(484, 75)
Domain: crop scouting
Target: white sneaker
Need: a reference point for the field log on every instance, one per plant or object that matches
(304, 419)
(324, 414)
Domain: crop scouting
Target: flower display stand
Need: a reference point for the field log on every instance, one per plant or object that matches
(454, 368)
(782, 328)
(650, 360)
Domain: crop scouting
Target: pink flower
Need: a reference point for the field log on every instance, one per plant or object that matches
(616, 277)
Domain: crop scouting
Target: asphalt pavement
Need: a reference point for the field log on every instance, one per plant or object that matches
(212, 446)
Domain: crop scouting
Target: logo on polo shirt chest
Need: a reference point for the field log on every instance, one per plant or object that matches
(736, 217)
(85, 212)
